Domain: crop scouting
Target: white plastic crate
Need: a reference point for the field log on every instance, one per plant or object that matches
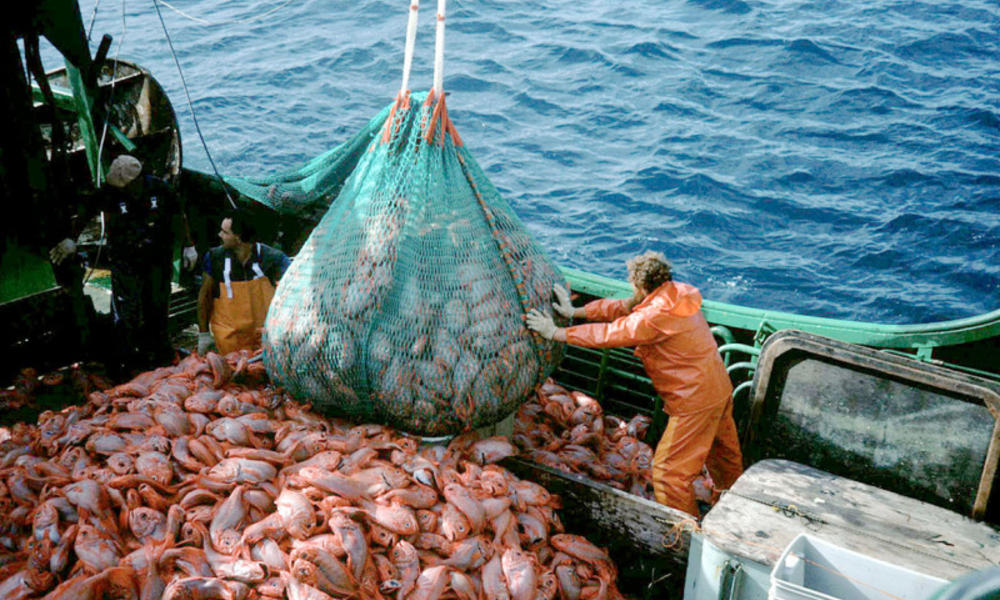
(814, 569)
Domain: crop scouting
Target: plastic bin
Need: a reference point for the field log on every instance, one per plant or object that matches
(813, 569)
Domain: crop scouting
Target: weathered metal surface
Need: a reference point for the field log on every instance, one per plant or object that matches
(775, 500)
(903, 425)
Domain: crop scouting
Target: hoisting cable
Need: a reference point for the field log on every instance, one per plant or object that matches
(111, 95)
(231, 22)
(402, 102)
(439, 52)
(104, 130)
(156, 4)
(93, 19)
(411, 38)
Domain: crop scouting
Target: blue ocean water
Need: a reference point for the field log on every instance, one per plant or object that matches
(836, 158)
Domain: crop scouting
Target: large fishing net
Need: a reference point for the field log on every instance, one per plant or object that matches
(308, 191)
(406, 304)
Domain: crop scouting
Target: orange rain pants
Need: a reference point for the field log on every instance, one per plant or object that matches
(682, 360)
(238, 314)
(706, 438)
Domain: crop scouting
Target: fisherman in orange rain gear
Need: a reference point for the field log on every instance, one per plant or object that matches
(663, 321)
(247, 273)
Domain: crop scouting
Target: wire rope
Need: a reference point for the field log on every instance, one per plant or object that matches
(230, 22)
(187, 94)
(104, 130)
(93, 19)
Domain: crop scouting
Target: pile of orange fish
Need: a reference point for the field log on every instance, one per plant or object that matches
(568, 430)
(197, 481)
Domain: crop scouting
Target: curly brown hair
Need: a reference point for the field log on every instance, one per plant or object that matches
(649, 270)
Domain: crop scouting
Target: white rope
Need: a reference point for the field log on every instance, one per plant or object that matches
(439, 51)
(231, 22)
(111, 96)
(93, 18)
(104, 137)
(187, 94)
(411, 38)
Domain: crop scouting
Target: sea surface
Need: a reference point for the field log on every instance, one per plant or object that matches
(837, 158)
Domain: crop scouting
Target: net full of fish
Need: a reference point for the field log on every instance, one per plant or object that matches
(568, 430)
(200, 481)
(406, 304)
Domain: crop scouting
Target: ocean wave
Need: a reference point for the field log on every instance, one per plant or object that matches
(907, 177)
(944, 47)
(738, 7)
(872, 98)
(652, 50)
(741, 41)
(811, 50)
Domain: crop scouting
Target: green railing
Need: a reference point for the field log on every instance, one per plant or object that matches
(916, 341)
(921, 337)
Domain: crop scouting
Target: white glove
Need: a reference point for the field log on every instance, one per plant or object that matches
(189, 258)
(205, 341)
(540, 323)
(562, 305)
(62, 251)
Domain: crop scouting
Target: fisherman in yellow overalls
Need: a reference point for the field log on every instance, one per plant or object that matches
(246, 273)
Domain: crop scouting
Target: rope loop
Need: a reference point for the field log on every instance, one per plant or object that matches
(674, 538)
(229, 22)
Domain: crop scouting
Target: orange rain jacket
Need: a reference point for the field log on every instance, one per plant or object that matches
(671, 338)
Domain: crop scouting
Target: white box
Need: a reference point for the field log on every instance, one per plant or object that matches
(814, 569)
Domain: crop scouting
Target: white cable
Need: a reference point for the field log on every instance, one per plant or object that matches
(411, 38)
(231, 22)
(111, 95)
(93, 18)
(439, 51)
(104, 136)
(187, 94)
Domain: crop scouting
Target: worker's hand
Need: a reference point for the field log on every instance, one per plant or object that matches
(205, 342)
(62, 251)
(189, 258)
(562, 305)
(540, 323)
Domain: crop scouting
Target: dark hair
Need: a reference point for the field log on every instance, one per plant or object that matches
(242, 226)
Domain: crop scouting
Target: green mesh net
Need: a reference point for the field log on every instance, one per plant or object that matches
(307, 192)
(405, 306)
